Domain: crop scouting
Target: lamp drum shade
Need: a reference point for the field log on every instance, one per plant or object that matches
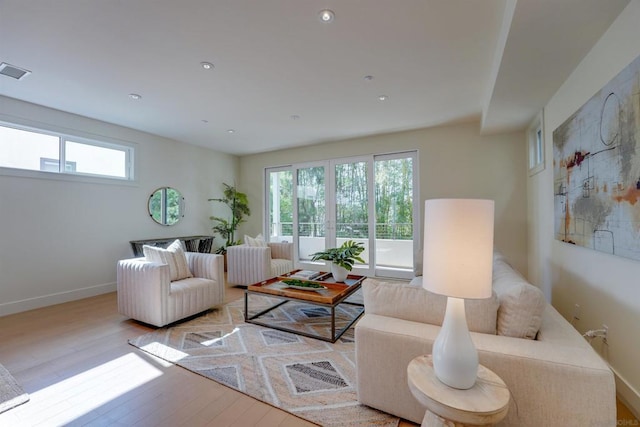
(458, 247)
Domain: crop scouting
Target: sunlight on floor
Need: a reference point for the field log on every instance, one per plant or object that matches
(220, 339)
(174, 355)
(168, 353)
(71, 398)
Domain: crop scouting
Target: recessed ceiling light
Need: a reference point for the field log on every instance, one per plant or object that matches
(231, 131)
(13, 71)
(135, 96)
(207, 65)
(368, 78)
(383, 97)
(295, 117)
(326, 16)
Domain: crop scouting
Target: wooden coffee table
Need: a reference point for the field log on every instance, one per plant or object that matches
(336, 293)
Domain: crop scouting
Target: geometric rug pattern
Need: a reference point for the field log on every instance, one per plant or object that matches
(11, 394)
(310, 378)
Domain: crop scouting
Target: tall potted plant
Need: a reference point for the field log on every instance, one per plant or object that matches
(238, 204)
(342, 258)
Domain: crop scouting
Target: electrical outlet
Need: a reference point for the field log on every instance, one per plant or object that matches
(576, 312)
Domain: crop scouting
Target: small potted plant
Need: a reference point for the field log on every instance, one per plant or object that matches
(342, 258)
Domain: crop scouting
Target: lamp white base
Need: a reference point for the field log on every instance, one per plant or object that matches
(455, 358)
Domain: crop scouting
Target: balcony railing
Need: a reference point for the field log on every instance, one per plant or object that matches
(390, 231)
(394, 242)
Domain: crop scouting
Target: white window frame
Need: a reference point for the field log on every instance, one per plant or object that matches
(372, 269)
(80, 138)
(266, 227)
(417, 220)
(535, 142)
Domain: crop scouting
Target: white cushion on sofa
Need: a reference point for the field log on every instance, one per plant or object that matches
(173, 256)
(521, 303)
(407, 302)
(257, 241)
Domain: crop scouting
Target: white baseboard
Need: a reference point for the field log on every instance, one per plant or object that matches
(57, 298)
(627, 394)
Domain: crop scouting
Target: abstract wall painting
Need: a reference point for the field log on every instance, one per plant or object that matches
(596, 166)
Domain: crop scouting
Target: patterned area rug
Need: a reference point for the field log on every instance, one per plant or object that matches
(11, 394)
(312, 379)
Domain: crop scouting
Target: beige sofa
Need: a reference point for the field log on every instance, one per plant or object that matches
(554, 376)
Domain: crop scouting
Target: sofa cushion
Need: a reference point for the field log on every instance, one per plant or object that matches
(521, 303)
(191, 284)
(407, 302)
(173, 256)
(257, 241)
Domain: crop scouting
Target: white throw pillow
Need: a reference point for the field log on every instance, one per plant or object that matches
(257, 241)
(410, 302)
(173, 256)
(521, 303)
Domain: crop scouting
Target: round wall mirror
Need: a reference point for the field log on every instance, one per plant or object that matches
(166, 206)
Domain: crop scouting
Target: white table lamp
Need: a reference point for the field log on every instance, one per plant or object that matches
(458, 261)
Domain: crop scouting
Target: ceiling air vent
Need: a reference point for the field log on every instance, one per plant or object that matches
(13, 71)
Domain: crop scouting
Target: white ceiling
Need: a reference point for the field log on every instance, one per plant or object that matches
(438, 61)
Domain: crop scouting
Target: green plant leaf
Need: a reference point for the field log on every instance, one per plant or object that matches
(238, 204)
(345, 256)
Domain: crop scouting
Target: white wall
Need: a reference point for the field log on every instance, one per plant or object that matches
(455, 161)
(60, 239)
(605, 286)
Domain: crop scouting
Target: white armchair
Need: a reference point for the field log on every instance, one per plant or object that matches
(146, 293)
(252, 264)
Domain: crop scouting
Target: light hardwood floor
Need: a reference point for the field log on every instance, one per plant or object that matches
(74, 361)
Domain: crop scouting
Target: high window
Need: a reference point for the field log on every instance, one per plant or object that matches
(535, 136)
(368, 199)
(44, 151)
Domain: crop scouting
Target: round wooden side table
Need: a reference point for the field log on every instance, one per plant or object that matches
(484, 404)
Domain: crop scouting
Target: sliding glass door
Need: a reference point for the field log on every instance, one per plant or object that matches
(279, 197)
(310, 214)
(351, 206)
(367, 199)
(395, 212)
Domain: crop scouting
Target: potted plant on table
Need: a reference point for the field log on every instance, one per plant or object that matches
(238, 204)
(342, 258)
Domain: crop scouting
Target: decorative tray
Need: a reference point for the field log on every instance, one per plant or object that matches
(325, 279)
